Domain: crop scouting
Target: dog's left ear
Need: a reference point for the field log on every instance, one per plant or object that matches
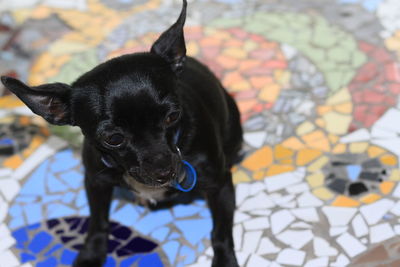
(171, 44)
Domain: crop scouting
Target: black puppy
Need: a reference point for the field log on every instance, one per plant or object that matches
(151, 122)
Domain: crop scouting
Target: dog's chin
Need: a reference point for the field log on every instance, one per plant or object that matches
(137, 183)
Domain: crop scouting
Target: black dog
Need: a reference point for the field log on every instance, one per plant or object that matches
(151, 121)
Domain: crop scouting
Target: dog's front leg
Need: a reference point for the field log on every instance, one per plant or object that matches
(222, 206)
(94, 252)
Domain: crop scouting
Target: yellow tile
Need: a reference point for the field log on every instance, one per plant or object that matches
(286, 161)
(192, 48)
(323, 109)
(278, 169)
(339, 149)
(240, 86)
(240, 177)
(270, 92)
(386, 187)
(346, 108)
(395, 175)
(293, 143)
(261, 158)
(337, 123)
(318, 164)
(24, 120)
(307, 155)
(343, 201)
(323, 193)
(374, 151)
(316, 179)
(10, 101)
(320, 122)
(370, 198)
(305, 128)
(341, 96)
(389, 160)
(317, 140)
(13, 162)
(250, 45)
(333, 138)
(7, 120)
(358, 147)
(235, 52)
(281, 152)
(259, 175)
(282, 77)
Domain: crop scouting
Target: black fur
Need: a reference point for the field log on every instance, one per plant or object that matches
(129, 109)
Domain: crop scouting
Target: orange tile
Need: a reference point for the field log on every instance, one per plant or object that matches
(10, 101)
(260, 81)
(333, 138)
(323, 109)
(343, 201)
(235, 52)
(246, 105)
(240, 177)
(306, 156)
(249, 64)
(13, 162)
(339, 149)
(270, 92)
(24, 120)
(35, 143)
(281, 152)
(374, 151)
(278, 169)
(260, 159)
(386, 187)
(232, 78)
(240, 86)
(317, 140)
(389, 160)
(293, 143)
(320, 122)
(259, 175)
(227, 62)
(286, 161)
(345, 108)
(370, 198)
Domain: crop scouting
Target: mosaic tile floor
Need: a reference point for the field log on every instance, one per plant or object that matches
(317, 83)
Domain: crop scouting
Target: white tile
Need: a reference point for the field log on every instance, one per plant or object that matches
(281, 181)
(275, 264)
(350, 244)
(377, 133)
(295, 238)
(256, 260)
(280, 220)
(396, 209)
(381, 232)
(30, 265)
(240, 217)
(341, 261)
(4, 231)
(241, 258)
(334, 231)
(256, 224)
(306, 214)
(267, 247)
(360, 228)
(242, 191)
(396, 229)
(250, 241)
(261, 201)
(339, 216)
(3, 209)
(283, 199)
(396, 191)
(255, 139)
(291, 257)
(389, 121)
(364, 240)
(309, 200)
(374, 212)
(289, 205)
(289, 51)
(5, 172)
(322, 248)
(298, 188)
(10, 188)
(300, 225)
(256, 188)
(8, 259)
(237, 236)
(356, 136)
(6, 242)
(260, 212)
(319, 262)
(209, 252)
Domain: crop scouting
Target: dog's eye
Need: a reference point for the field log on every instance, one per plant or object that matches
(171, 118)
(114, 140)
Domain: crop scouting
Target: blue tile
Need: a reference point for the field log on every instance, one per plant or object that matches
(371, 5)
(205, 213)
(26, 199)
(68, 197)
(84, 211)
(16, 222)
(171, 249)
(153, 220)
(174, 235)
(186, 210)
(54, 185)
(68, 257)
(33, 212)
(53, 249)
(50, 262)
(72, 178)
(15, 210)
(195, 230)
(353, 171)
(200, 247)
(35, 185)
(152, 260)
(81, 199)
(114, 205)
(21, 236)
(40, 241)
(51, 198)
(130, 261)
(127, 215)
(33, 226)
(56, 210)
(161, 233)
(6, 141)
(63, 161)
(110, 262)
(25, 257)
(188, 253)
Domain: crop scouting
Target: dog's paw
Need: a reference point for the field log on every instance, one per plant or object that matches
(88, 259)
(94, 253)
(225, 260)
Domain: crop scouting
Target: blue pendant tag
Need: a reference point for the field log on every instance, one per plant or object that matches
(190, 178)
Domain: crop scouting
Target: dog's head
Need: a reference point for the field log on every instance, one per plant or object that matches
(127, 107)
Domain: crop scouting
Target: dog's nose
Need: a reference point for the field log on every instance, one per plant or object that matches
(162, 176)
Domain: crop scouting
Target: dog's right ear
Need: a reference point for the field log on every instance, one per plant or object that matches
(171, 44)
(51, 101)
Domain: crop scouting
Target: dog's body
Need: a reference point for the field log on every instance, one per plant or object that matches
(141, 114)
